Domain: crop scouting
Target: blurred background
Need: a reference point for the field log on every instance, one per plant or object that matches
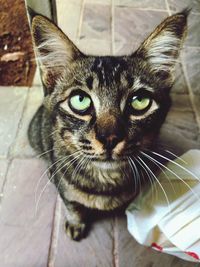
(17, 66)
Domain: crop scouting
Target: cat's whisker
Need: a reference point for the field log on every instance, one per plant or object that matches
(52, 133)
(82, 164)
(48, 182)
(64, 165)
(155, 163)
(182, 180)
(75, 172)
(171, 153)
(85, 165)
(43, 174)
(134, 174)
(177, 164)
(46, 171)
(137, 173)
(51, 178)
(122, 169)
(43, 153)
(157, 180)
(153, 187)
(75, 160)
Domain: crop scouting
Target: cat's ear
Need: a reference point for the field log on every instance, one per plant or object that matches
(54, 51)
(161, 49)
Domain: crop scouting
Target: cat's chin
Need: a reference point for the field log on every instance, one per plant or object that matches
(109, 165)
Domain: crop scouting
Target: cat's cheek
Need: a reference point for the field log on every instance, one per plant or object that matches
(97, 146)
(148, 140)
(66, 139)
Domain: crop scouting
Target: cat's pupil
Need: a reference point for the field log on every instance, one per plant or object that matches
(81, 98)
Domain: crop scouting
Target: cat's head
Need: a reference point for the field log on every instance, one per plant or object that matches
(108, 107)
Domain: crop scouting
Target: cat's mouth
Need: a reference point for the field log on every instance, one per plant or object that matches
(110, 161)
(109, 164)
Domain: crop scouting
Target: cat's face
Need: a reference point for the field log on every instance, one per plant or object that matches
(108, 107)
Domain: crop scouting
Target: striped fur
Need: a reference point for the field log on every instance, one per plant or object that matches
(88, 153)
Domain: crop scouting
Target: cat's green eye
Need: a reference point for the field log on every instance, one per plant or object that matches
(80, 102)
(140, 103)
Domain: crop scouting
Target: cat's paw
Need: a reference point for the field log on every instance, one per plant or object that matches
(75, 231)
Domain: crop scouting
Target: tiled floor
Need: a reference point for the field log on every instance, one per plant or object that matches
(37, 239)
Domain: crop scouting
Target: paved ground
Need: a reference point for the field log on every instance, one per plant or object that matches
(38, 240)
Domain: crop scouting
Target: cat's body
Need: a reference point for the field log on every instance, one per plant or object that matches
(98, 114)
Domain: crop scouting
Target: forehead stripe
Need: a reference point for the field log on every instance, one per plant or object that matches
(89, 82)
(109, 69)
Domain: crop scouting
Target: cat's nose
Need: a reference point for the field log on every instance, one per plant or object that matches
(109, 141)
(109, 130)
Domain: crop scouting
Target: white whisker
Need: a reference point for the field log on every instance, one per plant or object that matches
(175, 163)
(137, 173)
(75, 172)
(157, 182)
(43, 174)
(72, 162)
(154, 162)
(51, 178)
(153, 187)
(186, 184)
(176, 156)
(134, 175)
(43, 153)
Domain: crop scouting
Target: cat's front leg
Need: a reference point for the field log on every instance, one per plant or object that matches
(76, 220)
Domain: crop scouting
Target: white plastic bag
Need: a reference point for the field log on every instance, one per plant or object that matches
(171, 226)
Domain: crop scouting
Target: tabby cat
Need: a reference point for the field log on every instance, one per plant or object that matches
(99, 113)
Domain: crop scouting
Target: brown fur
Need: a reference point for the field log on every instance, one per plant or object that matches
(94, 152)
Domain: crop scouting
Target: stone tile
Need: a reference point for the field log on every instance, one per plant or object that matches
(180, 131)
(94, 47)
(25, 235)
(185, 124)
(180, 84)
(96, 22)
(21, 147)
(130, 253)
(193, 38)
(12, 101)
(69, 16)
(181, 103)
(147, 4)
(182, 116)
(132, 25)
(174, 139)
(18, 207)
(94, 250)
(24, 246)
(3, 171)
(192, 61)
(177, 6)
(124, 48)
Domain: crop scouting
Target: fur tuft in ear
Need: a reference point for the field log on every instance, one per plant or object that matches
(161, 49)
(54, 51)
